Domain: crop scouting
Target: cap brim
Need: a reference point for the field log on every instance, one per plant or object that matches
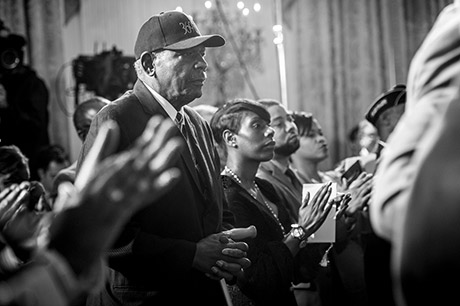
(205, 40)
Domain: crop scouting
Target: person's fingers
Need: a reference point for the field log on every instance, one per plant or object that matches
(212, 276)
(243, 246)
(14, 200)
(319, 192)
(358, 181)
(17, 197)
(362, 179)
(163, 133)
(5, 196)
(149, 161)
(305, 201)
(325, 204)
(242, 233)
(234, 252)
(7, 190)
(167, 155)
(343, 205)
(166, 180)
(25, 185)
(147, 144)
(244, 262)
(151, 128)
(232, 268)
(105, 143)
(236, 256)
(325, 192)
(218, 274)
(13, 194)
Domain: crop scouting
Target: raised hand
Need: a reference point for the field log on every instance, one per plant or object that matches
(19, 224)
(360, 191)
(11, 198)
(341, 202)
(109, 191)
(312, 214)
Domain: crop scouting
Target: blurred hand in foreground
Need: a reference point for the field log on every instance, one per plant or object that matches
(109, 190)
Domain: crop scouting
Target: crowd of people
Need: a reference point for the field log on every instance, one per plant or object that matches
(170, 204)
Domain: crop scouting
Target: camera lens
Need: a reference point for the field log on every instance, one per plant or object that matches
(9, 59)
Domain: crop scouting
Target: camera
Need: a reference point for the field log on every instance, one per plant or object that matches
(9, 59)
(109, 74)
(11, 53)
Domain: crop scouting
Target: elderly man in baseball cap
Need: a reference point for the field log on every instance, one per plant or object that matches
(177, 250)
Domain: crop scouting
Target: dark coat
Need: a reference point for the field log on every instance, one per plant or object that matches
(273, 268)
(153, 261)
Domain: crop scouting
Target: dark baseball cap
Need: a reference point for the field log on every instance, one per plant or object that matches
(172, 30)
(395, 96)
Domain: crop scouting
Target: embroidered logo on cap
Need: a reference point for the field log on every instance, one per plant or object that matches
(187, 27)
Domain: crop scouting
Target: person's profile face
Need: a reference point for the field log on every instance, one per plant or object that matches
(83, 123)
(47, 175)
(286, 133)
(181, 74)
(313, 146)
(255, 138)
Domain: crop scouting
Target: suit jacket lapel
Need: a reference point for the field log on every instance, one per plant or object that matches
(153, 107)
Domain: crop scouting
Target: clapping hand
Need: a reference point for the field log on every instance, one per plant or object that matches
(108, 191)
(360, 190)
(312, 214)
(19, 225)
(341, 202)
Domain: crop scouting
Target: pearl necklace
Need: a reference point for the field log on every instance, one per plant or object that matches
(254, 195)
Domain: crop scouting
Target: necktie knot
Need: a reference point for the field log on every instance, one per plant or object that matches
(178, 118)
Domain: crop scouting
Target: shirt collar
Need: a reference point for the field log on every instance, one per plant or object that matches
(169, 109)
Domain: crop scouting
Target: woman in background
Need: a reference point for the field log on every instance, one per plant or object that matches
(277, 252)
(343, 280)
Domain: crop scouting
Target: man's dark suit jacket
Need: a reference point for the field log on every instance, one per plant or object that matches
(153, 264)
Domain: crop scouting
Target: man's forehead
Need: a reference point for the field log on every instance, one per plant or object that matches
(277, 112)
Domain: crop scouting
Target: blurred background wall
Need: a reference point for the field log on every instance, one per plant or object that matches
(329, 57)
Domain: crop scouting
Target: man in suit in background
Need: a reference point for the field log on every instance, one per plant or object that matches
(173, 252)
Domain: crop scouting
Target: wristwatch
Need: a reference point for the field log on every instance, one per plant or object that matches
(298, 232)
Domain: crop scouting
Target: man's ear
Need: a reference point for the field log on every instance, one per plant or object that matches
(147, 59)
(229, 138)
